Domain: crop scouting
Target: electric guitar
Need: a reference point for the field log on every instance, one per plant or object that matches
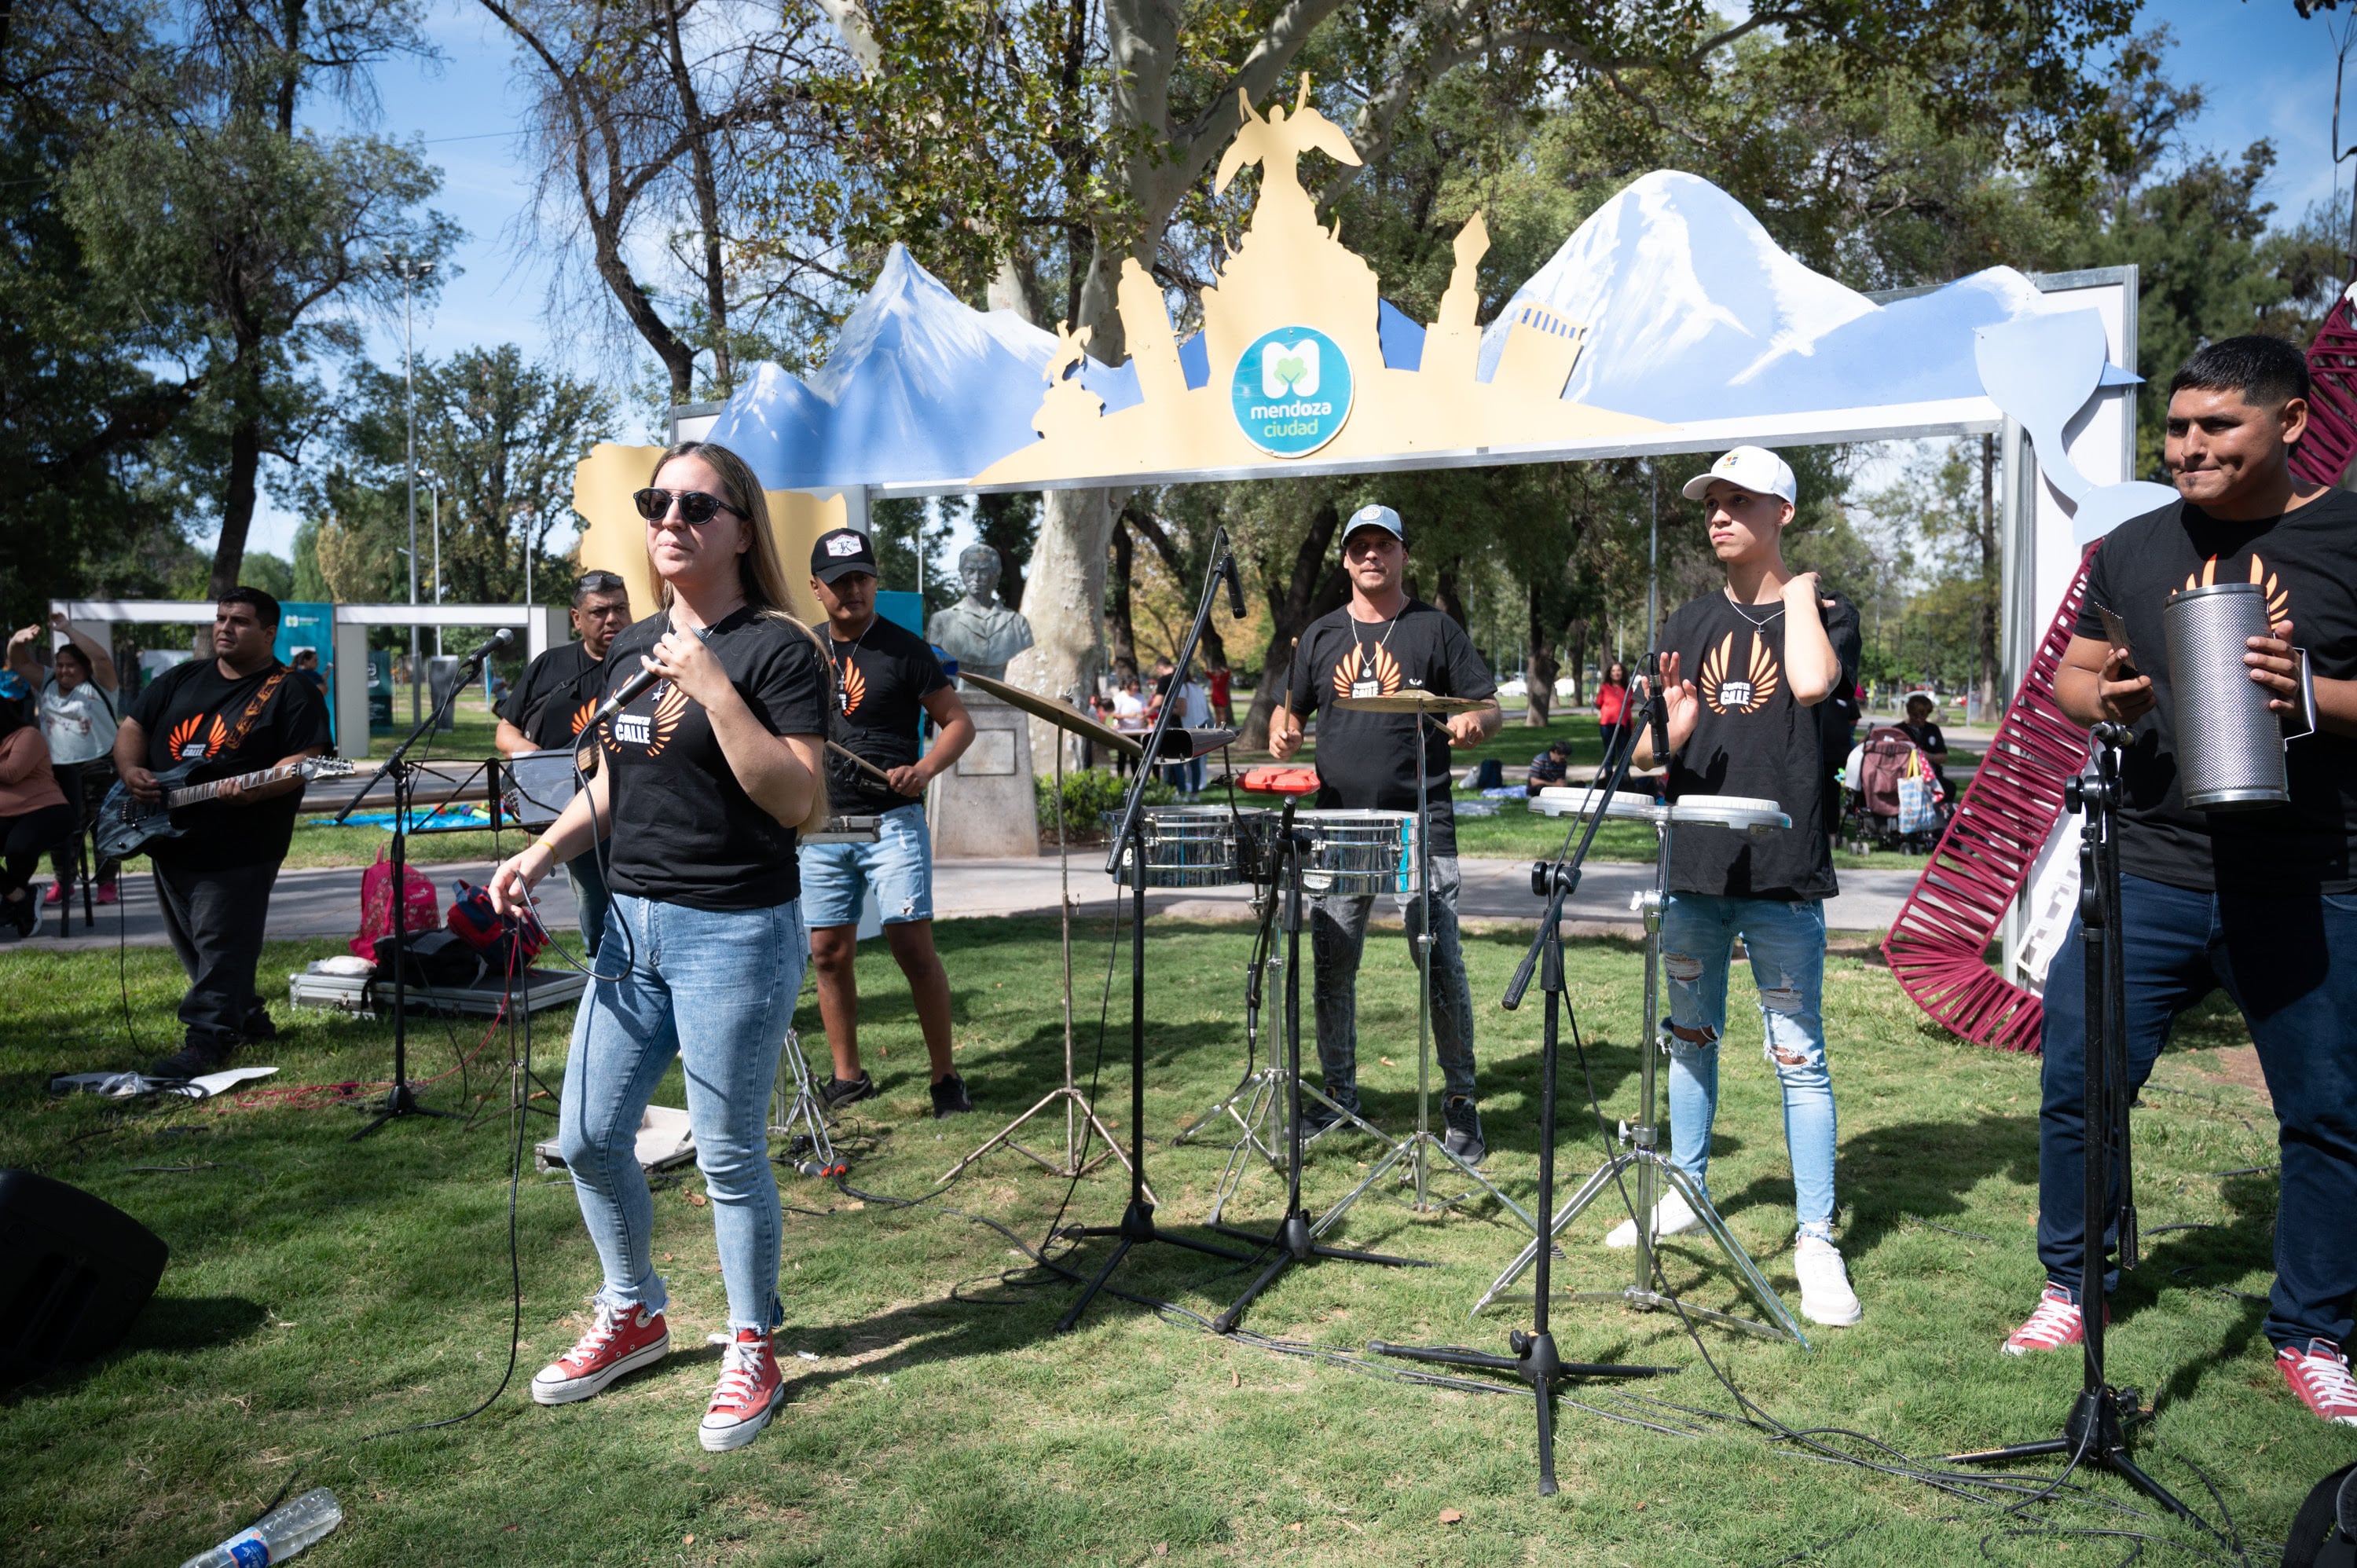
(125, 825)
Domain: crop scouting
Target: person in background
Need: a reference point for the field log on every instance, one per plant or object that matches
(1382, 642)
(886, 679)
(1129, 718)
(1222, 698)
(34, 812)
(80, 707)
(1194, 713)
(305, 665)
(546, 710)
(1549, 766)
(236, 712)
(1924, 731)
(1611, 700)
(1744, 670)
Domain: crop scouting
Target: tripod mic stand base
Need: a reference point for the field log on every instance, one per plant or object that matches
(399, 1101)
(2096, 1433)
(1136, 1229)
(1295, 1242)
(1536, 1362)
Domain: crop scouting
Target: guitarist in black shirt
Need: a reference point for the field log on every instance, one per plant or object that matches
(235, 713)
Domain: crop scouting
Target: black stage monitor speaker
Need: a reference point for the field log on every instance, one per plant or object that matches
(74, 1272)
(2324, 1532)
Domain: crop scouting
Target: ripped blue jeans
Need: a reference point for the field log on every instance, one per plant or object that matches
(1786, 939)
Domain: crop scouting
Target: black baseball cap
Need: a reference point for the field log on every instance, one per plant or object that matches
(839, 552)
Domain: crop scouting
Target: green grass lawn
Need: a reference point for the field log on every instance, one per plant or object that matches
(322, 1291)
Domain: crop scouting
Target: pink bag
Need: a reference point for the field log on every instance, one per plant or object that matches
(420, 910)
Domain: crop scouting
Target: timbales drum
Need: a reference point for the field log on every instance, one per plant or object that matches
(1186, 846)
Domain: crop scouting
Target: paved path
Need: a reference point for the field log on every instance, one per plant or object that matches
(325, 902)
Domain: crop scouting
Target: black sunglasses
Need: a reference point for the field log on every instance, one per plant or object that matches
(695, 507)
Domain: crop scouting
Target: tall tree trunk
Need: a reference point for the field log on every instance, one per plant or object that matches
(1063, 601)
(1538, 664)
(1447, 594)
(1992, 579)
(1121, 628)
(1314, 587)
(237, 503)
(1575, 642)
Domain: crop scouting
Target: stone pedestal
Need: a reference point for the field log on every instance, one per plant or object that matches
(984, 807)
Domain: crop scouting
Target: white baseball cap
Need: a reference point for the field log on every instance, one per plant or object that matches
(1753, 469)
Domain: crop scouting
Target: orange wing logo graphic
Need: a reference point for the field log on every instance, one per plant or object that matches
(581, 715)
(669, 709)
(1744, 693)
(183, 745)
(1367, 672)
(854, 689)
(2278, 597)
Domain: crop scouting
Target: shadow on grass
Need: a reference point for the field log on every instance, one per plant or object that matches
(1925, 1169)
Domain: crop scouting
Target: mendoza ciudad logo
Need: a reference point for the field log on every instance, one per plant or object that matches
(1292, 390)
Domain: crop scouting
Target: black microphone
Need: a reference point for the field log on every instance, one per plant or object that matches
(1235, 584)
(499, 639)
(1657, 712)
(630, 688)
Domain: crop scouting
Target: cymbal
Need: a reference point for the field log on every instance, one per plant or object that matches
(1055, 712)
(1412, 702)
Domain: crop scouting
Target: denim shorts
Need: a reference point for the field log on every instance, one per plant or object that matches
(898, 865)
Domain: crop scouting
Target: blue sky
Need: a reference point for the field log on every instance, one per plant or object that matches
(2268, 73)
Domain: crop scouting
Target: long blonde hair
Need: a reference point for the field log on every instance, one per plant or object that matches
(760, 573)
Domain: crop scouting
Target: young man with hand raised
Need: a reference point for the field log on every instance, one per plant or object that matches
(1745, 670)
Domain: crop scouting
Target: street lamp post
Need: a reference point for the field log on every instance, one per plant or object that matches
(410, 270)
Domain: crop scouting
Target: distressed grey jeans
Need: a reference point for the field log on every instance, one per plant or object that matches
(1337, 934)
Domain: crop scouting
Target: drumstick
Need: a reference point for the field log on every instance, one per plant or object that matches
(861, 763)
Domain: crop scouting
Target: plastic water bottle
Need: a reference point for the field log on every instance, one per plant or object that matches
(283, 1532)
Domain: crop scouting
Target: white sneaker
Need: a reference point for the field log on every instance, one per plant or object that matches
(1671, 1217)
(1826, 1296)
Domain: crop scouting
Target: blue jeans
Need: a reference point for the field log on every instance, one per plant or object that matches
(716, 989)
(1787, 944)
(590, 900)
(1337, 935)
(898, 865)
(2289, 963)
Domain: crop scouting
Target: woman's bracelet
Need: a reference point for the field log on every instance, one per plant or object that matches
(545, 842)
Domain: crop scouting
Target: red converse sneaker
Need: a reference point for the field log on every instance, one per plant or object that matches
(2055, 1325)
(751, 1387)
(2319, 1373)
(622, 1340)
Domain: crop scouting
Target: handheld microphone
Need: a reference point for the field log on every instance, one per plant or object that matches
(1235, 584)
(499, 639)
(630, 688)
(1657, 712)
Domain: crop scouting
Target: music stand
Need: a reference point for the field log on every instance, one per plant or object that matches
(1138, 1228)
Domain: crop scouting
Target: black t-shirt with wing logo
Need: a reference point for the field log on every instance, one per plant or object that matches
(558, 692)
(1753, 738)
(2306, 559)
(684, 831)
(188, 713)
(1367, 761)
(881, 681)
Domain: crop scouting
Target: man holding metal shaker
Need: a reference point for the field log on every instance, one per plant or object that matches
(2250, 890)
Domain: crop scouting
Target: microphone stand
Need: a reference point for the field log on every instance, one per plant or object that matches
(1293, 1242)
(400, 1100)
(1138, 1228)
(2095, 1431)
(1535, 1358)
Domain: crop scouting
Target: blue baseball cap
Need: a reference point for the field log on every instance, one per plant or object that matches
(1373, 516)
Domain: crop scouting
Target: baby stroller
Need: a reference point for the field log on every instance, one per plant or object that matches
(1892, 798)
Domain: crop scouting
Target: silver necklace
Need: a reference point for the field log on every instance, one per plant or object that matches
(1761, 623)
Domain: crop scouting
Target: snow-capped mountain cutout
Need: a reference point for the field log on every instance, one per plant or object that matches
(1694, 313)
(920, 387)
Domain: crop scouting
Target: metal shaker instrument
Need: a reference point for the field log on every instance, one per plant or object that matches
(2230, 746)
